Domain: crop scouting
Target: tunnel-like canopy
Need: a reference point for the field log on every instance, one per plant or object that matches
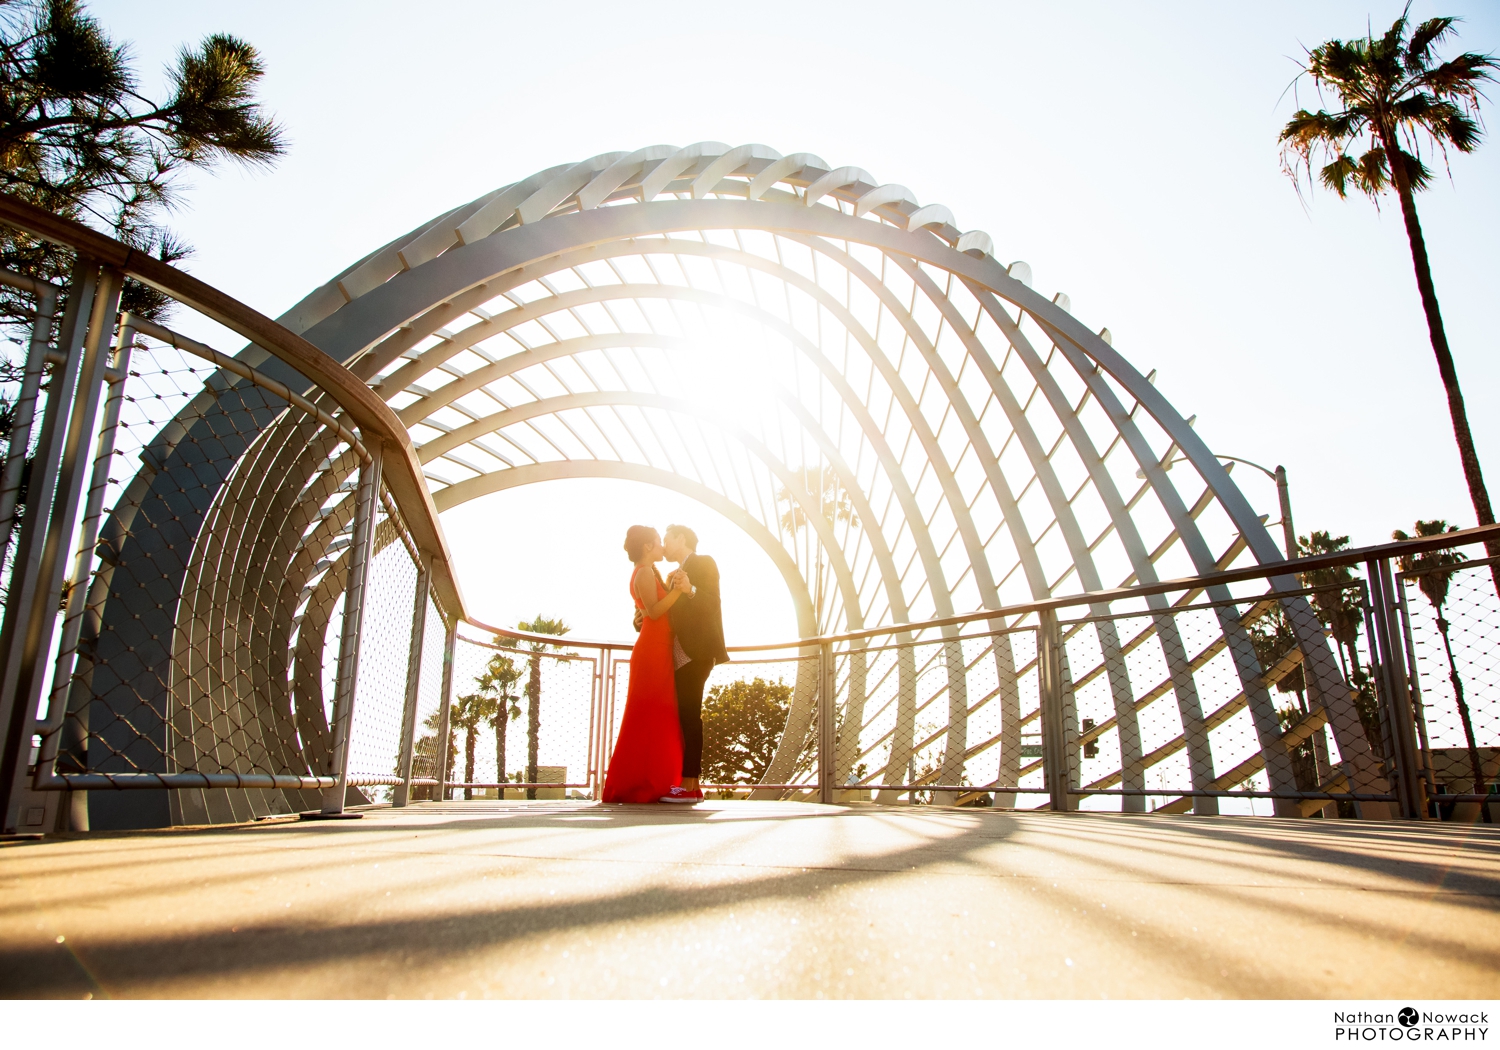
(750, 329)
(903, 424)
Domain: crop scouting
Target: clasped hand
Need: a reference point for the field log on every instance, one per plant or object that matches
(677, 581)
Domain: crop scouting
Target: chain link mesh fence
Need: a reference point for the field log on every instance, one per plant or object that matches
(523, 714)
(944, 720)
(1452, 618)
(204, 605)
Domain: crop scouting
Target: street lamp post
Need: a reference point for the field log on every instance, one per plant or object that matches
(1283, 495)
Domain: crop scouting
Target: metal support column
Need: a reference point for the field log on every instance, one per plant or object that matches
(1393, 684)
(596, 723)
(827, 740)
(53, 501)
(1284, 497)
(445, 710)
(402, 794)
(360, 551)
(75, 593)
(1054, 735)
(24, 412)
(1424, 745)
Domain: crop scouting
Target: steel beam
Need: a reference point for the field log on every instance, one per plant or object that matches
(345, 692)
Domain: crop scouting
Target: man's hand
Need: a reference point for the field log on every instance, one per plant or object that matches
(640, 618)
(681, 582)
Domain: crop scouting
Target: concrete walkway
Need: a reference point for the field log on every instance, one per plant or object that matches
(756, 899)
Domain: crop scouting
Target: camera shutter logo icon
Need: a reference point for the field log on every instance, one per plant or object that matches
(1407, 1016)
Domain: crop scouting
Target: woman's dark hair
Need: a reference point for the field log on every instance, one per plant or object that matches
(637, 538)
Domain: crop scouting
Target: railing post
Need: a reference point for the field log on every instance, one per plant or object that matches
(1397, 699)
(402, 795)
(347, 675)
(596, 720)
(75, 596)
(52, 504)
(24, 412)
(1054, 736)
(445, 710)
(827, 740)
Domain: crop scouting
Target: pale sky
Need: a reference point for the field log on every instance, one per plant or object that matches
(1126, 151)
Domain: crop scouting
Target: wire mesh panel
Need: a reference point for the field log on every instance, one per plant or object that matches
(521, 715)
(1452, 614)
(424, 765)
(759, 726)
(1207, 708)
(948, 720)
(384, 652)
(199, 640)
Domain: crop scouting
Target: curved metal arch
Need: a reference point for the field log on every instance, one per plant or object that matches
(349, 331)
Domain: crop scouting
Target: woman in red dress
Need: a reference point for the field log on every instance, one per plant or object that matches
(647, 759)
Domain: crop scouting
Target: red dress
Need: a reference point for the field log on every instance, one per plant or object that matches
(647, 761)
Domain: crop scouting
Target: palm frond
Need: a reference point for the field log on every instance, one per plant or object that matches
(1459, 77)
(1418, 174)
(1419, 48)
(1337, 174)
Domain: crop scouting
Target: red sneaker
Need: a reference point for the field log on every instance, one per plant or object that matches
(682, 796)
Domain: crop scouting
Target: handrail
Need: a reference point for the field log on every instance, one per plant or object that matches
(1297, 566)
(402, 469)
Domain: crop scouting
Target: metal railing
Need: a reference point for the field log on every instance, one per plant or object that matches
(218, 570)
(228, 595)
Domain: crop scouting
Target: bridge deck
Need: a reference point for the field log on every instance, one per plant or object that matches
(756, 899)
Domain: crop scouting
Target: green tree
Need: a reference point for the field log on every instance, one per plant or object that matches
(469, 713)
(1395, 96)
(1273, 637)
(1338, 608)
(539, 625)
(500, 677)
(78, 137)
(425, 757)
(742, 724)
(1434, 571)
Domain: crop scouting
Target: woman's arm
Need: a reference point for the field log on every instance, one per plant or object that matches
(645, 590)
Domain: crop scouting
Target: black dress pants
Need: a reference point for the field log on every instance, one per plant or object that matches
(691, 678)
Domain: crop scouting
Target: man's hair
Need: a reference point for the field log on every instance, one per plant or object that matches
(688, 536)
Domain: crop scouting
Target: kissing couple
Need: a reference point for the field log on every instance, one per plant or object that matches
(659, 755)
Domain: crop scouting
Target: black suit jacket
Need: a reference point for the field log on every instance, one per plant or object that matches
(698, 621)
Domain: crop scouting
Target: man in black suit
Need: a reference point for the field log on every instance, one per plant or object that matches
(698, 624)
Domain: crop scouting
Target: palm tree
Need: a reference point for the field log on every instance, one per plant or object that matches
(1396, 96)
(1434, 571)
(836, 503)
(1338, 606)
(468, 712)
(539, 625)
(426, 748)
(499, 678)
